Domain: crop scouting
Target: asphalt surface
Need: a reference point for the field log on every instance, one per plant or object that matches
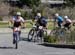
(27, 48)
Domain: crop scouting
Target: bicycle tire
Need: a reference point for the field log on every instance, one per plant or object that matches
(30, 34)
(16, 45)
(53, 32)
(16, 42)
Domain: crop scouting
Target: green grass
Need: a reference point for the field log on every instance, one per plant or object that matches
(28, 25)
(3, 24)
(49, 25)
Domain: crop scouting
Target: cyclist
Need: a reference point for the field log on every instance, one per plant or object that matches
(67, 22)
(17, 23)
(59, 20)
(41, 20)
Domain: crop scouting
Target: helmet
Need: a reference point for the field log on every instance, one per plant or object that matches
(18, 13)
(66, 17)
(39, 14)
(56, 14)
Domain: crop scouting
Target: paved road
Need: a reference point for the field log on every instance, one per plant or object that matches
(28, 48)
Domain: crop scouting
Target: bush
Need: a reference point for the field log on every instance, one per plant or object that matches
(50, 39)
(13, 11)
(1, 18)
(25, 15)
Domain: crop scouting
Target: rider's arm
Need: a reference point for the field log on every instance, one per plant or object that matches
(12, 20)
(23, 21)
(36, 18)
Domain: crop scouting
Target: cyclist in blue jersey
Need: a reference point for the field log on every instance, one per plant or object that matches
(59, 20)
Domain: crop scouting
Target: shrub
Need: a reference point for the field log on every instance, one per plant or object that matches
(1, 18)
(25, 15)
(50, 39)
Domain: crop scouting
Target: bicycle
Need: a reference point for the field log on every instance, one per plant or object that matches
(60, 34)
(36, 32)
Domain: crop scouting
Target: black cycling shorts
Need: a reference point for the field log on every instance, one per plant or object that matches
(17, 24)
(59, 24)
(67, 25)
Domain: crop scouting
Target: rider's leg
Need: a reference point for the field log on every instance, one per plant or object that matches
(19, 32)
(67, 25)
(14, 37)
(59, 24)
(19, 35)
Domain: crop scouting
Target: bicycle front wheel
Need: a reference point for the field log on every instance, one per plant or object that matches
(30, 34)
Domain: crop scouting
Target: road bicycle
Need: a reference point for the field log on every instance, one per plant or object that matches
(61, 34)
(36, 32)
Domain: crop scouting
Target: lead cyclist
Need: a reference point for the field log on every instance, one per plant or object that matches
(17, 20)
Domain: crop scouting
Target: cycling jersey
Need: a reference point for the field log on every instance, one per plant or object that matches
(42, 21)
(68, 21)
(59, 19)
(17, 22)
(36, 17)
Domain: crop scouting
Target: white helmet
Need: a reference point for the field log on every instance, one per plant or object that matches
(18, 13)
(66, 17)
(56, 14)
(39, 14)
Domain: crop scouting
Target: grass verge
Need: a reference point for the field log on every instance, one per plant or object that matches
(27, 24)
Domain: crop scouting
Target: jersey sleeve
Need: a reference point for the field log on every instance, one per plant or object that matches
(22, 19)
(36, 17)
(13, 18)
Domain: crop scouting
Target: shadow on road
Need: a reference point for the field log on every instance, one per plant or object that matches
(7, 48)
(24, 39)
(59, 46)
